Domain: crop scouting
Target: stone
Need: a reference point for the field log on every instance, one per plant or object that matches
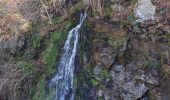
(100, 93)
(104, 56)
(118, 68)
(145, 10)
(117, 7)
(134, 91)
(97, 70)
(148, 78)
(11, 46)
(118, 74)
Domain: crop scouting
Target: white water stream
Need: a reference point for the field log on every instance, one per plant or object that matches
(63, 80)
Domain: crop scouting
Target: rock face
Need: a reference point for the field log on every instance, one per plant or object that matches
(104, 55)
(119, 59)
(145, 10)
(128, 70)
(15, 22)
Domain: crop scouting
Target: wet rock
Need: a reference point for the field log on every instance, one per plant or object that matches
(145, 10)
(97, 70)
(11, 46)
(152, 93)
(148, 78)
(133, 82)
(133, 91)
(118, 68)
(119, 77)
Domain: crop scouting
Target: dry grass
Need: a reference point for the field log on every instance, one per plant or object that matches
(97, 6)
(16, 17)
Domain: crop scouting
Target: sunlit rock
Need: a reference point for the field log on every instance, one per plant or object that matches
(145, 10)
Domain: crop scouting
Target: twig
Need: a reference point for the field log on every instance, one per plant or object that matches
(46, 11)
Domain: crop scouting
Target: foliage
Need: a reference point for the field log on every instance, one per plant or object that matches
(50, 56)
(116, 42)
(69, 26)
(57, 20)
(94, 82)
(26, 66)
(51, 53)
(105, 74)
(77, 7)
(152, 64)
(130, 20)
(107, 9)
(39, 91)
(36, 41)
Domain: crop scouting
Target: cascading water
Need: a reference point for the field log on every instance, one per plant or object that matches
(63, 80)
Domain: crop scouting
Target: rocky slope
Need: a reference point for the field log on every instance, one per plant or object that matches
(124, 50)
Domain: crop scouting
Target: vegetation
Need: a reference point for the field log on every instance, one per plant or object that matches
(52, 52)
(94, 82)
(34, 62)
(40, 87)
(50, 57)
(105, 74)
(76, 8)
(26, 66)
(152, 64)
(36, 40)
(117, 42)
(107, 9)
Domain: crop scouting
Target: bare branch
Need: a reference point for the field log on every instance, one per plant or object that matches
(46, 11)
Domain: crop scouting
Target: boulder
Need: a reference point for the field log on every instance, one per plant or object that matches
(145, 10)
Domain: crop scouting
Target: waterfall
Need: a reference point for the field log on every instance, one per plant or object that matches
(63, 80)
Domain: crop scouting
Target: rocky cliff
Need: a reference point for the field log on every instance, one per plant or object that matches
(124, 50)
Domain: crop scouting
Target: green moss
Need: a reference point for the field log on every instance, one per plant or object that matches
(130, 20)
(117, 42)
(107, 9)
(100, 98)
(52, 52)
(105, 74)
(152, 64)
(95, 82)
(36, 41)
(39, 91)
(50, 57)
